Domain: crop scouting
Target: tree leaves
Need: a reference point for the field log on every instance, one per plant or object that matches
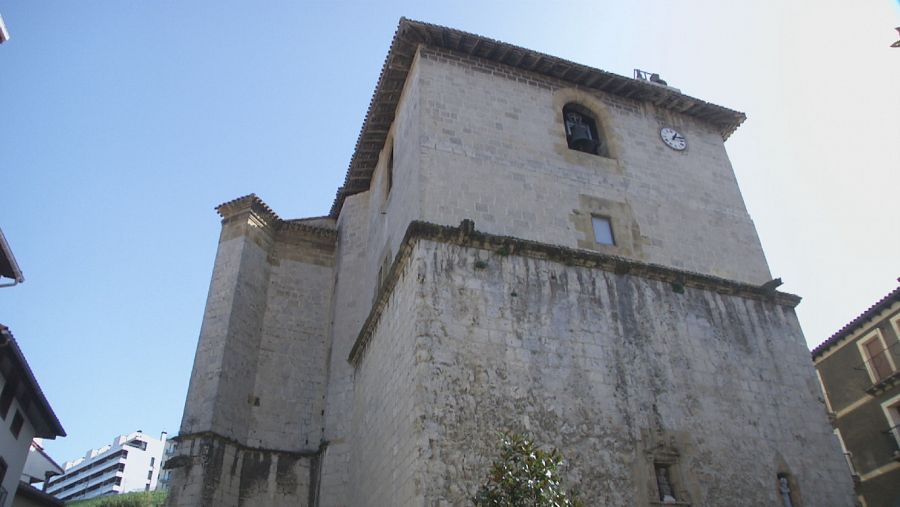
(525, 476)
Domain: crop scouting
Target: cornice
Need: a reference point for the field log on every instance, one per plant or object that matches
(465, 235)
(183, 437)
(253, 204)
(411, 34)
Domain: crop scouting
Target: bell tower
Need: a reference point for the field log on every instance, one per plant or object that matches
(521, 243)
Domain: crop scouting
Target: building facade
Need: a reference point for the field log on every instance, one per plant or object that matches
(39, 468)
(858, 370)
(521, 243)
(131, 463)
(25, 413)
(23, 407)
(162, 482)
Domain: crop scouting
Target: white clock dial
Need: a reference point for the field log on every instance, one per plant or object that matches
(673, 138)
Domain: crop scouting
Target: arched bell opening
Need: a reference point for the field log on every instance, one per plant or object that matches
(582, 130)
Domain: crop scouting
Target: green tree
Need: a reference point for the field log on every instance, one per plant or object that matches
(525, 475)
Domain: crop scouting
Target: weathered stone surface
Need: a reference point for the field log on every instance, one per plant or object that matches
(254, 416)
(614, 370)
(216, 472)
(661, 348)
(493, 150)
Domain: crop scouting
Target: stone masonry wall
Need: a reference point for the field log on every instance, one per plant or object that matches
(471, 140)
(494, 150)
(353, 287)
(387, 459)
(392, 209)
(214, 472)
(289, 391)
(227, 349)
(617, 371)
(371, 227)
(253, 421)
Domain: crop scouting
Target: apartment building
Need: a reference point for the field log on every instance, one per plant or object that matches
(858, 369)
(130, 463)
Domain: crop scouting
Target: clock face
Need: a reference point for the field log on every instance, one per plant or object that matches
(673, 138)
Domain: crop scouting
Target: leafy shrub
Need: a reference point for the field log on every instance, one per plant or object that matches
(525, 475)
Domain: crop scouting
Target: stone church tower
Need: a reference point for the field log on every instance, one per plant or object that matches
(523, 243)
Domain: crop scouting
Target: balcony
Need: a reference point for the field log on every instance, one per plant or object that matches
(884, 384)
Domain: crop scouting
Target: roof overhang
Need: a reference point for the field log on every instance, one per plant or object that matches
(8, 266)
(36, 496)
(410, 34)
(4, 33)
(28, 392)
(39, 465)
(861, 320)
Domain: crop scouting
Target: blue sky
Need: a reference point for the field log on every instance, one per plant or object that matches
(123, 123)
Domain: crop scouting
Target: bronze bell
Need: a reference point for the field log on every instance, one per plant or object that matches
(580, 136)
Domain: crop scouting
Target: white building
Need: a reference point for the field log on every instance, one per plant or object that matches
(131, 463)
(25, 411)
(165, 476)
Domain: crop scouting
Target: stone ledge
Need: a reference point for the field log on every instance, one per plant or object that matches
(465, 235)
(243, 447)
(253, 204)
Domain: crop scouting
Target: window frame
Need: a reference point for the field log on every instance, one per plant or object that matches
(893, 419)
(389, 171)
(668, 472)
(869, 337)
(18, 422)
(609, 223)
(895, 322)
(7, 395)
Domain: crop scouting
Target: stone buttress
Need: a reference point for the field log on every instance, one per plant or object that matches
(251, 432)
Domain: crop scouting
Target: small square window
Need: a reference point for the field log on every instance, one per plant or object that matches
(603, 233)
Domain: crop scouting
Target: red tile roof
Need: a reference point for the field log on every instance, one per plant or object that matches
(851, 326)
